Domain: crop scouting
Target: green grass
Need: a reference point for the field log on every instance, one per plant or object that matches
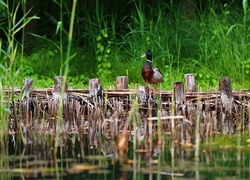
(212, 45)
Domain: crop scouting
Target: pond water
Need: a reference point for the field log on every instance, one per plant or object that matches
(76, 159)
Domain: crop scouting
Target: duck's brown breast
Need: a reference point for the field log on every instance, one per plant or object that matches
(147, 73)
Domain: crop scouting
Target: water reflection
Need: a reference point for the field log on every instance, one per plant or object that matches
(75, 159)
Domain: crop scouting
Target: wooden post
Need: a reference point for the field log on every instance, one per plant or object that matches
(227, 104)
(60, 84)
(190, 83)
(179, 96)
(27, 89)
(95, 88)
(121, 82)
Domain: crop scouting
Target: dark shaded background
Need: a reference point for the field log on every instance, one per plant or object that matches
(49, 13)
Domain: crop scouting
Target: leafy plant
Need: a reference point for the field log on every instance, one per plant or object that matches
(103, 55)
(105, 45)
(9, 69)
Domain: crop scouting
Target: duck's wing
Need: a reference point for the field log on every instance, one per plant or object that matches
(157, 75)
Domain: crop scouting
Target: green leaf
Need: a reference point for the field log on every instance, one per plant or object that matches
(99, 45)
(59, 26)
(98, 38)
(50, 54)
(99, 58)
(108, 64)
(245, 6)
(17, 28)
(3, 4)
(231, 28)
(68, 59)
(3, 68)
(104, 33)
(102, 48)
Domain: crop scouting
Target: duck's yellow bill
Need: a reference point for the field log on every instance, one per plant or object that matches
(144, 55)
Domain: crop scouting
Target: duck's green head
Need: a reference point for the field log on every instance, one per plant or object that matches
(147, 54)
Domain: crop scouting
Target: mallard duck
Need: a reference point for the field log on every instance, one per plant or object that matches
(149, 74)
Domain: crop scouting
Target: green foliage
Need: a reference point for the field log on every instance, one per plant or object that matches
(230, 141)
(9, 69)
(103, 55)
(246, 66)
(78, 81)
(212, 44)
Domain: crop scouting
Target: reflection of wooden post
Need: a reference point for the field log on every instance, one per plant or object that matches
(26, 109)
(179, 96)
(95, 97)
(190, 83)
(59, 85)
(122, 82)
(143, 92)
(95, 88)
(227, 104)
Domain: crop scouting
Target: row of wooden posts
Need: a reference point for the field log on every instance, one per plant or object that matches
(179, 97)
(96, 90)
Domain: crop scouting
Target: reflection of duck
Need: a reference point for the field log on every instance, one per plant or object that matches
(149, 74)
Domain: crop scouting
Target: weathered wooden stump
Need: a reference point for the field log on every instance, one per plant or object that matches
(226, 104)
(121, 82)
(179, 97)
(60, 85)
(27, 89)
(95, 89)
(190, 83)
